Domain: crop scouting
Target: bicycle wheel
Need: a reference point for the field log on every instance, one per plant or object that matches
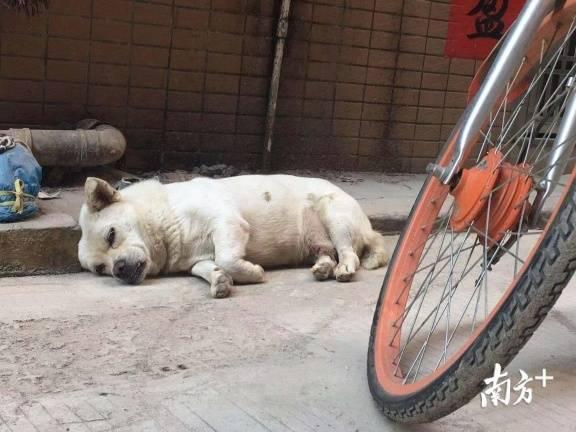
(471, 279)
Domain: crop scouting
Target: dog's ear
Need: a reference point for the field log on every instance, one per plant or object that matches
(99, 194)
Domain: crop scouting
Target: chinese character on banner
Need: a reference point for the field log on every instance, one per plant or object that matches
(476, 26)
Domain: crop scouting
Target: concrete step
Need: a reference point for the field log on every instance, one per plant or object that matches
(46, 244)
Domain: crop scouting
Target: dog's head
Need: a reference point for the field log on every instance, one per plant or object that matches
(113, 240)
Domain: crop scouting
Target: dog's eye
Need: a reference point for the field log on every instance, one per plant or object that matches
(99, 269)
(111, 237)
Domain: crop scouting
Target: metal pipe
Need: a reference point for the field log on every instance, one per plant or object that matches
(92, 144)
(507, 62)
(281, 34)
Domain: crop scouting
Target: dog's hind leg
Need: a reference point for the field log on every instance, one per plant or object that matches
(375, 255)
(220, 282)
(318, 246)
(345, 222)
(348, 263)
(230, 242)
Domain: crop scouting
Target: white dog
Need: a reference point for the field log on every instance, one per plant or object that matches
(225, 230)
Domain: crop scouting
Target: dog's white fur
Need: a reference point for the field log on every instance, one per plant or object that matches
(225, 230)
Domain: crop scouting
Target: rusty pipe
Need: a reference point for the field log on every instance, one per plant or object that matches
(91, 144)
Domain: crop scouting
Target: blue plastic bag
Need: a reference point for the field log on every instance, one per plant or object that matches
(20, 178)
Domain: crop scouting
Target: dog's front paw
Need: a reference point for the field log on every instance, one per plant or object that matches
(343, 273)
(221, 285)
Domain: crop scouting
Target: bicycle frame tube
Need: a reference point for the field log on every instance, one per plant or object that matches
(501, 73)
(559, 157)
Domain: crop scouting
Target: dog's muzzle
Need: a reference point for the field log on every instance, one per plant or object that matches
(129, 272)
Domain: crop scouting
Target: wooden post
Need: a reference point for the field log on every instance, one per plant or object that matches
(281, 33)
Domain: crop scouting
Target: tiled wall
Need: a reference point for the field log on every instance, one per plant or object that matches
(364, 85)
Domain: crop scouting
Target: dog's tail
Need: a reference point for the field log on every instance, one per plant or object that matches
(375, 254)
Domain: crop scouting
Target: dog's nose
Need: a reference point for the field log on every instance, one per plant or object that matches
(119, 268)
(129, 272)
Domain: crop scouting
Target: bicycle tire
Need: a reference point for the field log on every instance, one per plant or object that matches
(537, 290)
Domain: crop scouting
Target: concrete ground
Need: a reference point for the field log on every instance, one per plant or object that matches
(84, 353)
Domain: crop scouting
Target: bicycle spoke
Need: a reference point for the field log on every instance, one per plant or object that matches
(518, 237)
(494, 241)
(408, 278)
(443, 291)
(422, 289)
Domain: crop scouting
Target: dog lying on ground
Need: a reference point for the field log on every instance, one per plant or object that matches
(225, 231)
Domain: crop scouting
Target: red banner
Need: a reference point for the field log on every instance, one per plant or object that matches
(476, 26)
